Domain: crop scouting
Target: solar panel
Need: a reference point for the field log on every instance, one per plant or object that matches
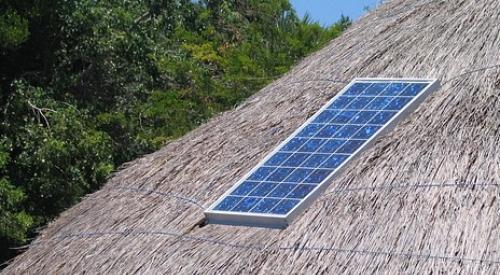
(285, 182)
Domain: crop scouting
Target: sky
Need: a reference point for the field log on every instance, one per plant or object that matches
(326, 12)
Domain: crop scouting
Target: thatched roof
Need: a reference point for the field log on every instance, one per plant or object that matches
(423, 199)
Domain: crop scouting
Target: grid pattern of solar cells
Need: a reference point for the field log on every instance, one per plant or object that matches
(315, 151)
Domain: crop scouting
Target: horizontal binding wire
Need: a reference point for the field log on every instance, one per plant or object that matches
(263, 248)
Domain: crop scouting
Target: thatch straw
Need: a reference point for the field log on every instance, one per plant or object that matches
(423, 199)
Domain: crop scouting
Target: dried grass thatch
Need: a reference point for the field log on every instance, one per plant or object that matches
(423, 199)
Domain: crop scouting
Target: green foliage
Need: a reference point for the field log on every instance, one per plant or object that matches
(13, 29)
(14, 222)
(57, 157)
(88, 85)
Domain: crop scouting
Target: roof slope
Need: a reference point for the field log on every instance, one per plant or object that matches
(424, 198)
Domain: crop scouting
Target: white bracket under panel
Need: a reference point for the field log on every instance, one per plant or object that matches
(294, 174)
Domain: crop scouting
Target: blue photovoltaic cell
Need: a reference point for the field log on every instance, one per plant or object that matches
(374, 89)
(263, 189)
(228, 203)
(284, 206)
(350, 146)
(296, 159)
(331, 145)
(328, 131)
(280, 174)
(320, 147)
(347, 131)
(343, 117)
(301, 191)
(359, 103)
(312, 145)
(334, 161)
(299, 174)
(282, 190)
(315, 160)
(356, 89)
(294, 144)
(341, 103)
(265, 205)
(245, 188)
(363, 117)
(325, 116)
(394, 89)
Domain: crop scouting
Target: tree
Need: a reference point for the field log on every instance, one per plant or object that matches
(14, 223)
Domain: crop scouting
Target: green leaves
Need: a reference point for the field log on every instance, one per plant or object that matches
(14, 222)
(13, 29)
(57, 155)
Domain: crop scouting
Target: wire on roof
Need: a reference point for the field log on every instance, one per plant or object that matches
(409, 186)
(260, 247)
(339, 81)
(489, 67)
(453, 183)
(147, 192)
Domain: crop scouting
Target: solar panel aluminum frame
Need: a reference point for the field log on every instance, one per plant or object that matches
(282, 221)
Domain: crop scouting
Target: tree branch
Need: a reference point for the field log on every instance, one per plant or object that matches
(40, 112)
